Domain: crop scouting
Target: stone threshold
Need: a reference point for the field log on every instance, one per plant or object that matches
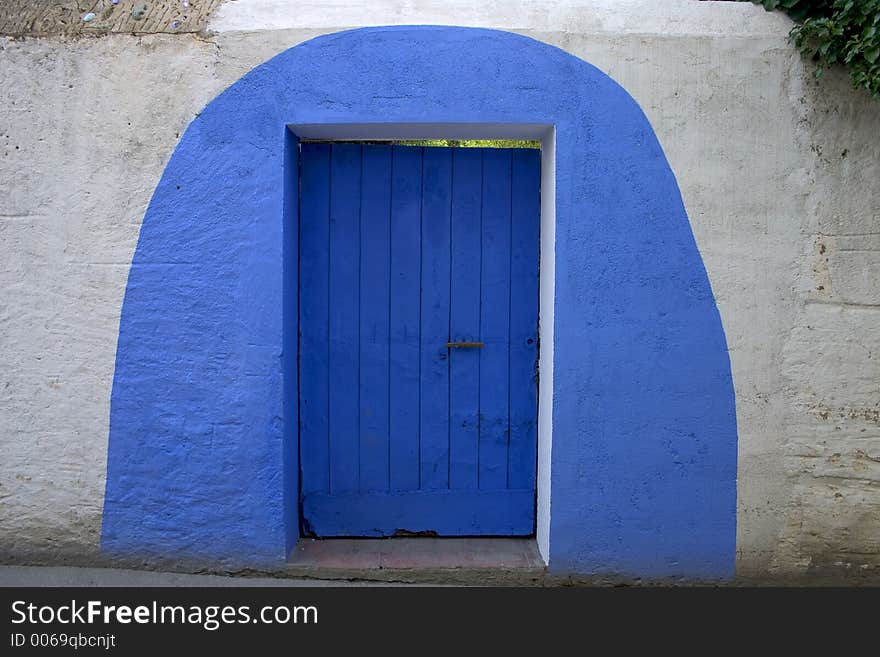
(424, 560)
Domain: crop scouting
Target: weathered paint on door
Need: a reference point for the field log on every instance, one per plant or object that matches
(403, 250)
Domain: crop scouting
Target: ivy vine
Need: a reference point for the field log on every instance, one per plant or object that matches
(837, 32)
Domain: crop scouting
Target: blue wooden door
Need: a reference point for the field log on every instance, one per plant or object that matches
(418, 340)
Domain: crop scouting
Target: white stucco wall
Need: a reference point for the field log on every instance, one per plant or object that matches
(779, 176)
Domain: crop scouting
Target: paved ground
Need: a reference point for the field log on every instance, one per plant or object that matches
(71, 576)
(328, 562)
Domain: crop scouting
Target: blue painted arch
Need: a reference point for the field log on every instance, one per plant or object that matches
(202, 449)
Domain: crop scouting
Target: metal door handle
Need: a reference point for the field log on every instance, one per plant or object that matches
(464, 345)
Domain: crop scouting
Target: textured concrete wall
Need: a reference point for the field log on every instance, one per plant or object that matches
(778, 174)
(100, 17)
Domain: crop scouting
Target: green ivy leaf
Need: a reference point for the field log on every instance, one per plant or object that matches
(833, 32)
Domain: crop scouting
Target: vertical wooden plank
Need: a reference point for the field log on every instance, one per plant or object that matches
(345, 196)
(525, 236)
(434, 374)
(494, 319)
(465, 317)
(374, 302)
(406, 176)
(314, 300)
